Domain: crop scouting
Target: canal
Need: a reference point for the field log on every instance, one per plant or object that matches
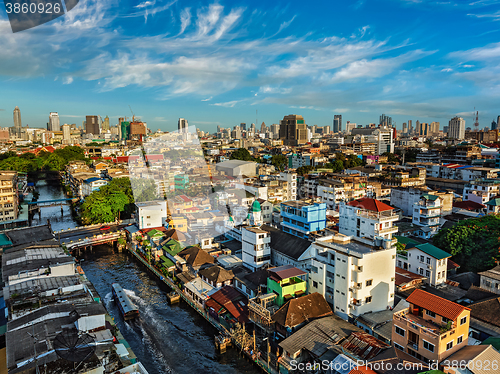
(166, 339)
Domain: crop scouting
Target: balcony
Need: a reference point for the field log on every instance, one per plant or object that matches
(387, 230)
(423, 326)
(380, 216)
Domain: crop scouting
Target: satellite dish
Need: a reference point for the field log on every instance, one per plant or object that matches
(71, 345)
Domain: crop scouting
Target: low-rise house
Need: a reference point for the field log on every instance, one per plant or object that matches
(216, 276)
(286, 282)
(92, 184)
(490, 279)
(426, 260)
(298, 312)
(199, 290)
(228, 306)
(406, 280)
(300, 218)
(472, 359)
(151, 214)
(313, 341)
(427, 214)
(196, 257)
(485, 318)
(432, 328)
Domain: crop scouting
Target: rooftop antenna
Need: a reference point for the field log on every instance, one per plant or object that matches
(476, 123)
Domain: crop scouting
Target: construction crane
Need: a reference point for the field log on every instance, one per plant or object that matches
(133, 115)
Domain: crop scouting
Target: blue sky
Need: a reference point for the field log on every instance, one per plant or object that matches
(218, 63)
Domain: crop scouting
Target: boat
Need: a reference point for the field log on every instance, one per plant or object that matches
(173, 297)
(127, 308)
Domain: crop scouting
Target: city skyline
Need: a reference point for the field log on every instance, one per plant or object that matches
(218, 63)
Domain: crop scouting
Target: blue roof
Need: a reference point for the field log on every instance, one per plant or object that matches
(132, 229)
(93, 179)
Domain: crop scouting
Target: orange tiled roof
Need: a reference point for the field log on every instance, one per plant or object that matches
(436, 304)
(371, 204)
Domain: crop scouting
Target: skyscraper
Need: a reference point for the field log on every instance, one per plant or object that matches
(405, 129)
(410, 127)
(456, 128)
(385, 120)
(275, 129)
(493, 125)
(182, 125)
(53, 124)
(66, 130)
(434, 128)
(293, 130)
(17, 121)
(337, 123)
(105, 124)
(498, 123)
(92, 125)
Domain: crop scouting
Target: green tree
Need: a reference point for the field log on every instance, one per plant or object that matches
(473, 243)
(241, 154)
(303, 170)
(279, 162)
(391, 158)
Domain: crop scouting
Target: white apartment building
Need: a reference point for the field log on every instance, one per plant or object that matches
(367, 218)
(382, 137)
(490, 280)
(456, 128)
(255, 247)
(427, 260)
(427, 213)
(291, 178)
(481, 191)
(151, 214)
(333, 192)
(353, 275)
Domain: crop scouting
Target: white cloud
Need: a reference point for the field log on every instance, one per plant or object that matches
(207, 99)
(185, 19)
(67, 80)
(228, 104)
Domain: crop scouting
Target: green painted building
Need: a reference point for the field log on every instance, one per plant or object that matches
(181, 182)
(287, 282)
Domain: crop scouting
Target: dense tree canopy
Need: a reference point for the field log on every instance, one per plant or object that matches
(280, 162)
(44, 161)
(473, 243)
(242, 154)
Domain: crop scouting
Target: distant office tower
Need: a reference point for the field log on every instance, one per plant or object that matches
(275, 129)
(422, 128)
(349, 126)
(54, 122)
(326, 130)
(456, 128)
(243, 126)
(182, 125)
(405, 128)
(17, 121)
(66, 130)
(337, 123)
(92, 125)
(410, 127)
(434, 128)
(314, 128)
(385, 120)
(263, 128)
(105, 124)
(293, 130)
(236, 133)
(498, 123)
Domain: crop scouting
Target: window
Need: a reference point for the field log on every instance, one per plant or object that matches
(431, 314)
(400, 347)
(393, 279)
(400, 331)
(428, 260)
(445, 320)
(421, 271)
(368, 299)
(369, 282)
(449, 345)
(460, 339)
(463, 321)
(315, 284)
(148, 216)
(427, 273)
(428, 346)
(314, 269)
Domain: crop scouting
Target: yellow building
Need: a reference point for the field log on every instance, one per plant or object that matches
(432, 328)
(179, 223)
(8, 195)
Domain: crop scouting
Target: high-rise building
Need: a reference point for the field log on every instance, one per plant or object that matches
(17, 121)
(275, 129)
(66, 130)
(349, 126)
(243, 126)
(434, 128)
(53, 124)
(498, 123)
(405, 129)
(410, 127)
(337, 123)
(385, 120)
(105, 124)
(326, 130)
(456, 128)
(263, 128)
(293, 130)
(182, 125)
(92, 125)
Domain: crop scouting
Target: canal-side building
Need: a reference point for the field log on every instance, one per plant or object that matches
(9, 204)
(151, 214)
